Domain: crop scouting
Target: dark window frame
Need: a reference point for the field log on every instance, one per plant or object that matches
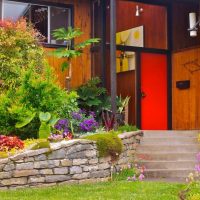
(52, 4)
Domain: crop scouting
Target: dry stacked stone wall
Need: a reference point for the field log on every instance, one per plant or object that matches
(66, 162)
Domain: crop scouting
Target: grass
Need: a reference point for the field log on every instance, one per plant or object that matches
(118, 189)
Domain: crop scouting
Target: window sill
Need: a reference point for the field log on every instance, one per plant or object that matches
(53, 46)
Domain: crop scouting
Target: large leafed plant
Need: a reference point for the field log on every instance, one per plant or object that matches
(71, 50)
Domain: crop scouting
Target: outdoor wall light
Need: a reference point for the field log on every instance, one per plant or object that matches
(138, 11)
(193, 24)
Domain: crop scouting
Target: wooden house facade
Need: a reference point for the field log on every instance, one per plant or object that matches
(146, 52)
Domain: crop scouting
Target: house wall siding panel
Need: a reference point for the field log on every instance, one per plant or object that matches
(186, 102)
(81, 66)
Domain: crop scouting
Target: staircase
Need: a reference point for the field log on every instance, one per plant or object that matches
(168, 155)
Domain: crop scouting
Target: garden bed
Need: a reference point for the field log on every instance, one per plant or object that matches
(73, 161)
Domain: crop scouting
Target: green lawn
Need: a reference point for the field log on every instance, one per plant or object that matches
(110, 190)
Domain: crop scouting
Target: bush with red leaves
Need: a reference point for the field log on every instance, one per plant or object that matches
(7, 143)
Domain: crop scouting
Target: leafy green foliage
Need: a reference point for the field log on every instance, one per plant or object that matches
(68, 35)
(47, 121)
(108, 144)
(127, 128)
(93, 97)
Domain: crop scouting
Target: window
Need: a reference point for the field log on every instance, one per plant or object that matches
(45, 18)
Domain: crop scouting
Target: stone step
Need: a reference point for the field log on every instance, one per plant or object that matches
(171, 133)
(168, 173)
(190, 164)
(168, 148)
(169, 140)
(166, 156)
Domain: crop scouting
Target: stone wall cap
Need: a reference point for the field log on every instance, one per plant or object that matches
(130, 134)
(68, 143)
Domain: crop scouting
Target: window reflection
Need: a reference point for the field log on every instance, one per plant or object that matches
(44, 18)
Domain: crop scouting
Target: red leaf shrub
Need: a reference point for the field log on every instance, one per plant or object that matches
(7, 143)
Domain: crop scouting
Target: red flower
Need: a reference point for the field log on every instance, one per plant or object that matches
(7, 143)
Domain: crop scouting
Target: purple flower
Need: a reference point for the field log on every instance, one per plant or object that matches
(88, 125)
(62, 125)
(76, 115)
(92, 114)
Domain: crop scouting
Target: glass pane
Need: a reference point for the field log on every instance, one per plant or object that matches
(14, 10)
(126, 61)
(39, 17)
(59, 17)
(0, 9)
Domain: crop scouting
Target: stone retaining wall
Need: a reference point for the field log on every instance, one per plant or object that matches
(74, 161)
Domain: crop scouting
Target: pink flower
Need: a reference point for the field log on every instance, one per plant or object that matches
(134, 178)
(141, 177)
(197, 168)
(198, 157)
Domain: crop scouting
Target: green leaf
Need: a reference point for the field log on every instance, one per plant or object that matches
(44, 130)
(25, 121)
(44, 117)
(64, 66)
(53, 121)
(88, 42)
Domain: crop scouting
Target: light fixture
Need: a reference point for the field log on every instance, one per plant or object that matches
(138, 11)
(194, 22)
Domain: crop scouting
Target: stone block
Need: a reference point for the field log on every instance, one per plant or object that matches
(58, 154)
(36, 180)
(84, 175)
(4, 175)
(25, 173)
(14, 181)
(104, 166)
(66, 163)
(21, 166)
(90, 168)
(56, 178)
(61, 170)
(4, 161)
(76, 170)
(9, 167)
(41, 164)
(80, 161)
(93, 161)
(40, 157)
(46, 171)
(100, 174)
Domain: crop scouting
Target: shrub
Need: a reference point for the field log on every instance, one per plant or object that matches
(19, 46)
(93, 97)
(108, 144)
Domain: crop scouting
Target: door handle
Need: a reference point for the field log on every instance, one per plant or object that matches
(143, 94)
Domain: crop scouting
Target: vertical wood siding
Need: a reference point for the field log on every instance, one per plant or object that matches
(81, 66)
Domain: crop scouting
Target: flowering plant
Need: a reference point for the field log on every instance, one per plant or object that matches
(138, 173)
(8, 143)
(79, 122)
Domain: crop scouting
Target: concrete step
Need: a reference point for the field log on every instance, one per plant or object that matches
(168, 148)
(190, 164)
(166, 156)
(169, 140)
(171, 133)
(168, 173)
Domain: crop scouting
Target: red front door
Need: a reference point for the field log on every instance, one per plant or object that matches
(153, 91)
